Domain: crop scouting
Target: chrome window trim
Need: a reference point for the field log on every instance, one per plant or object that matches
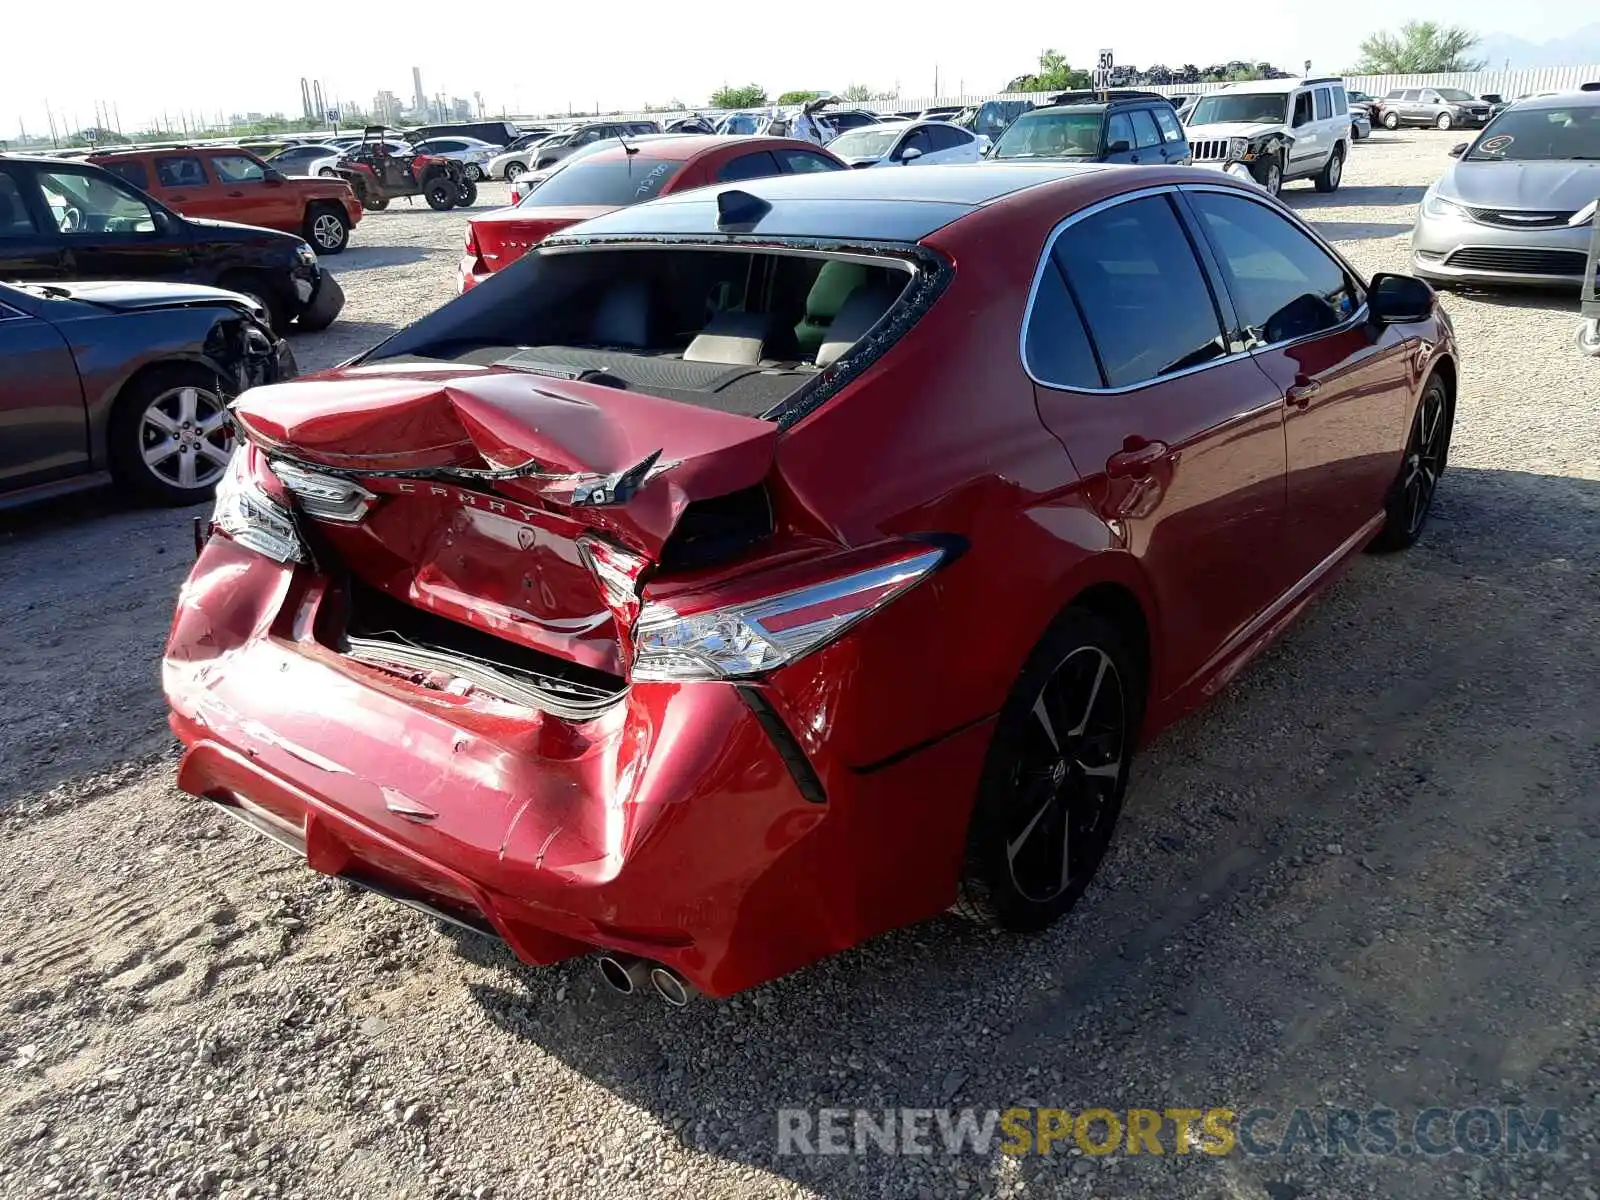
(7, 313)
(1359, 316)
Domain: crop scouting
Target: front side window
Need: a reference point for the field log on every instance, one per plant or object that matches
(82, 204)
(1119, 133)
(1284, 286)
(612, 183)
(236, 168)
(1341, 103)
(1148, 307)
(804, 162)
(947, 137)
(870, 141)
(1302, 109)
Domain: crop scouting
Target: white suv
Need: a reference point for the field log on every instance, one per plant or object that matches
(1274, 130)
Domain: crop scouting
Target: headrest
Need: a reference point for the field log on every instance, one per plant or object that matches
(858, 314)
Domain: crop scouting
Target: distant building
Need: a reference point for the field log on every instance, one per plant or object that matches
(386, 108)
(418, 95)
(461, 108)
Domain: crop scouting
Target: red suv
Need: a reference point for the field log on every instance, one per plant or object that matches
(231, 184)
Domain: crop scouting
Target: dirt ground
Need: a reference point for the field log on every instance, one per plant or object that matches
(1367, 876)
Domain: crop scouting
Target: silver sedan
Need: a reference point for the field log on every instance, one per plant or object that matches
(1517, 205)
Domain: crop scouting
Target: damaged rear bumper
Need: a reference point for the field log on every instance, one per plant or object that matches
(672, 827)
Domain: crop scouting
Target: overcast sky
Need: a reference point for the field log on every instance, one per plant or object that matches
(240, 57)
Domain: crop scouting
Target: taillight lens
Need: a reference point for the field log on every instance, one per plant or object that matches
(738, 640)
(325, 496)
(472, 242)
(249, 513)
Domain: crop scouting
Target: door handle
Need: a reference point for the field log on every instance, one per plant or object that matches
(1302, 390)
(236, 195)
(1137, 458)
(177, 196)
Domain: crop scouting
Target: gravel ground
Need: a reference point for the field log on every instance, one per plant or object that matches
(1365, 876)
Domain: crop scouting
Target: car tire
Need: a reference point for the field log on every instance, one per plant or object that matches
(1332, 172)
(473, 172)
(1427, 453)
(1355, 133)
(1391, 120)
(1273, 181)
(441, 193)
(513, 169)
(1588, 338)
(1444, 122)
(374, 203)
(328, 173)
(1054, 777)
(327, 229)
(180, 408)
(467, 194)
(262, 295)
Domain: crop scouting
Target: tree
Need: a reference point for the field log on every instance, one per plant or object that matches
(1420, 48)
(1054, 75)
(748, 96)
(797, 97)
(856, 93)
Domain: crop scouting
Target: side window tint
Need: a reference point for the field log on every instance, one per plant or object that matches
(1324, 104)
(1341, 102)
(1145, 134)
(1171, 131)
(803, 162)
(14, 219)
(1302, 108)
(236, 168)
(182, 171)
(748, 166)
(1144, 298)
(1119, 129)
(1283, 284)
(1057, 347)
(133, 172)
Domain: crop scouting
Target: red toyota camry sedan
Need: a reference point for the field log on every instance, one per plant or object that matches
(753, 571)
(591, 184)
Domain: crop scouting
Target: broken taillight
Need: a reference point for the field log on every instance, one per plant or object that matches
(253, 508)
(766, 628)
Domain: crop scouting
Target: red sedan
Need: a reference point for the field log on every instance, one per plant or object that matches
(763, 568)
(617, 176)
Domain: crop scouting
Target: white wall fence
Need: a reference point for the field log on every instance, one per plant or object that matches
(1507, 83)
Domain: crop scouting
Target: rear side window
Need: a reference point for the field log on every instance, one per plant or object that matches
(1341, 102)
(1284, 286)
(180, 171)
(1171, 131)
(1148, 307)
(1057, 348)
(1145, 134)
(613, 183)
(14, 219)
(747, 166)
(133, 172)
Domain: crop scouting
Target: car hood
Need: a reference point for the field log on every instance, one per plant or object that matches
(126, 296)
(1551, 186)
(1231, 129)
(212, 224)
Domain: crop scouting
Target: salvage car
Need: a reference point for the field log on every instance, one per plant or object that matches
(234, 185)
(920, 143)
(1274, 130)
(671, 595)
(125, 382)
(1517, 204)
(64, 220)
(1139, 128)
(473, 155)
(603, 179)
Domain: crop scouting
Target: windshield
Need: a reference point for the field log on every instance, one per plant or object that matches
(1455, 94)
(865, 143)
(738, 123)
(613, 183)
(1540, 134)
(1062, 134)
(1241, 108)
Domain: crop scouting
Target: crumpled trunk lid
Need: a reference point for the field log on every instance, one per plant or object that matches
(486, 478)
(507, 234)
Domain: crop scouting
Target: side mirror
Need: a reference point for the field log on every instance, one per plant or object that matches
(910, 154)
(1398, 299)
(272, 175)
(1119, 147)
(1459, 149)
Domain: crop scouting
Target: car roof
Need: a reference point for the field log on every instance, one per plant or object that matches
(862, 206)
(681, 147)
(1572, 99)
(1278, 85)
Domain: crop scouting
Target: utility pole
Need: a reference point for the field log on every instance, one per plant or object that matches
(935, 81)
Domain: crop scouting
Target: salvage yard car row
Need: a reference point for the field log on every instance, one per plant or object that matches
(660, 516)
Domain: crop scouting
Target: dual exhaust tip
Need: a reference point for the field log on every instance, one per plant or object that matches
(632, 976)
